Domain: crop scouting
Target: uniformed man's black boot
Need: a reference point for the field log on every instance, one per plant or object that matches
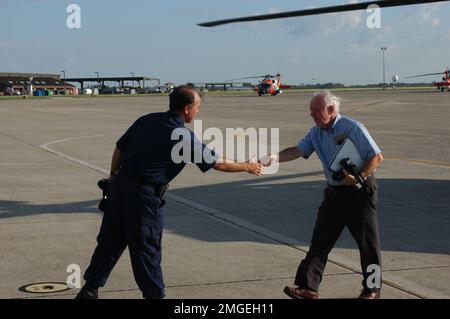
(88, 292)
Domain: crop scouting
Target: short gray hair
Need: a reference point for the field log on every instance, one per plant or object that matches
(329, 98)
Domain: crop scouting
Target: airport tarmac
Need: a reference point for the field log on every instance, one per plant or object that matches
(226, 235)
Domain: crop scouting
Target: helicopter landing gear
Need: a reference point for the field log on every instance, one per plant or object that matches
(277, 92)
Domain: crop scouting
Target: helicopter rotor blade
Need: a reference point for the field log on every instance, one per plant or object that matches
(308, 12)
(416, 76)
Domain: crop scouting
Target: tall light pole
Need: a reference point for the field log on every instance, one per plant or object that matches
(98, 78)
(64, 80)
(384, 68)
(132, 76)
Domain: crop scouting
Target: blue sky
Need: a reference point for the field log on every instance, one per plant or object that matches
(160, 39)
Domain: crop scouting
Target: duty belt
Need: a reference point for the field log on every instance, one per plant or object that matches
(160, 189)
(340, 187)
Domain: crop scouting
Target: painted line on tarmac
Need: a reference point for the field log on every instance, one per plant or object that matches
(72, 139)
(46, 147)
(389, 279)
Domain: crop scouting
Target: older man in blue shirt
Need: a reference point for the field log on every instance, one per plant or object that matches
(344, 204)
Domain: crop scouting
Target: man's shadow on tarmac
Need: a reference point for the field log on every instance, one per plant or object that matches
(413, 214)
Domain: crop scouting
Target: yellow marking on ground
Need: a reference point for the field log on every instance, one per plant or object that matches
(446, 165)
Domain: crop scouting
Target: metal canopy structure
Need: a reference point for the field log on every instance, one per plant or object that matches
(220, 84)
(120, 80)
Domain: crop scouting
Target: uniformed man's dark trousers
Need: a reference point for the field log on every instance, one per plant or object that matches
(342, 207)
(134, 219)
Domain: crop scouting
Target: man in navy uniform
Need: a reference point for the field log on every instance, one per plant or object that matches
(343, 205)
(142, 166)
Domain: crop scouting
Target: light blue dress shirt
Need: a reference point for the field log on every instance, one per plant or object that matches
(326, 143)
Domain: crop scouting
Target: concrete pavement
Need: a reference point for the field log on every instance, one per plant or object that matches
(227, 235)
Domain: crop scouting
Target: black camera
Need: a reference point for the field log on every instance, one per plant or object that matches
(352, 169)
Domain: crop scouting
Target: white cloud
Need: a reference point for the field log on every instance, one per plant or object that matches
(274, 10)
(427, 14)
(371, 49)
(372, 36)
(325, 24)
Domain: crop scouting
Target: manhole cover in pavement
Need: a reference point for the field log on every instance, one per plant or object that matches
(45, 287)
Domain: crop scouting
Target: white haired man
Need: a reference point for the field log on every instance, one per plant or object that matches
(343, 203)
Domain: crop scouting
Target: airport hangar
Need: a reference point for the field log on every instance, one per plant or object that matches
(27, 83)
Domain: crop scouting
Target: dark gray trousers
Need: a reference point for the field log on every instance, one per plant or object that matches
(343, 206)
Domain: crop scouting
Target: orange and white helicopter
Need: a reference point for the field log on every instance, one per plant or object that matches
(441, 85)
(270, 84)
(327, 10)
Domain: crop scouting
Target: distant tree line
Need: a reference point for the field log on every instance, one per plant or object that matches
(331, 85)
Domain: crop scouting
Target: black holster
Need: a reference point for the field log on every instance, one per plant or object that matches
(160, 190)
(105, 186)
